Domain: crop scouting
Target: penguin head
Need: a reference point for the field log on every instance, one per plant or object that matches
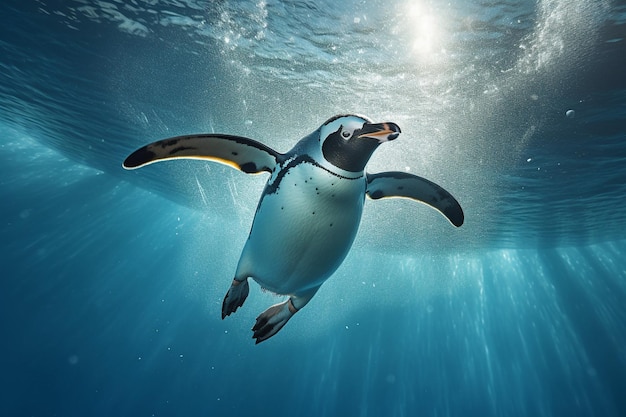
(348, 141)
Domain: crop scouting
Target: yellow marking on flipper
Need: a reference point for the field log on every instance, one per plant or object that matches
(222, 161)
(230, 163)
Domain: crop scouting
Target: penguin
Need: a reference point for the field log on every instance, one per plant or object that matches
(309, 212)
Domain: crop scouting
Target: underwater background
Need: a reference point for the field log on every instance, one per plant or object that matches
(112, 281)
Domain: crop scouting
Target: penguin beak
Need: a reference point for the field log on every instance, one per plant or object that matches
(382, 132)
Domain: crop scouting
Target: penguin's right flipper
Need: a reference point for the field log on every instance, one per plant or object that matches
(402, 184)
(245, 154)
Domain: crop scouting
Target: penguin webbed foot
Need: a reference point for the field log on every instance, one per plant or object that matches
(234, 298)
(272, 320)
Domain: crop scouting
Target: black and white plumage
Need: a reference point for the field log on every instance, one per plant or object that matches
(309, 213)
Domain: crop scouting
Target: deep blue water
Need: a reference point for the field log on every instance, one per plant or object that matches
(112, 281)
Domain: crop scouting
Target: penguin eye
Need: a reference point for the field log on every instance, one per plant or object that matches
(346, 134)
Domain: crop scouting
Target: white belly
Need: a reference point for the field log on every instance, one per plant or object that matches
(303, 231)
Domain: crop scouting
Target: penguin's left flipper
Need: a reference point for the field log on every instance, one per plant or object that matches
(401, 184)
(245, 154)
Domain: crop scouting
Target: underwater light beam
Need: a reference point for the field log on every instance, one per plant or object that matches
(425, 31)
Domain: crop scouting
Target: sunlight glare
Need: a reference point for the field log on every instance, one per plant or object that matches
(425, 30)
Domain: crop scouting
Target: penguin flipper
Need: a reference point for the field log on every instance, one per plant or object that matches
(245, 154)
(401, 184)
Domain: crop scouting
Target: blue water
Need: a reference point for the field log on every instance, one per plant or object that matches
(112, 281)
